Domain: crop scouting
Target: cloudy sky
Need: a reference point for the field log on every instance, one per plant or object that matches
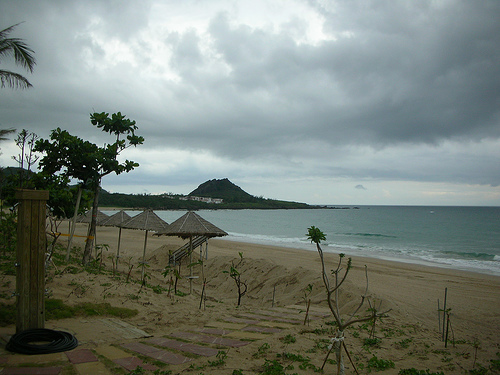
(324, 102)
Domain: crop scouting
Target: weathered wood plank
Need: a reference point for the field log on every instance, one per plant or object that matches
(31, 244)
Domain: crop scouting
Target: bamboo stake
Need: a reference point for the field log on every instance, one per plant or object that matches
(444, 310)
(447, 326)
(350, 359)
(439, 317)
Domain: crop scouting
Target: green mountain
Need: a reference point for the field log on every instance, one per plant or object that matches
(233, 197)
(224, 189)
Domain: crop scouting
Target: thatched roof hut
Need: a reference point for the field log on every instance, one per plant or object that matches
(116, 219)
(191, 224)
(87, 217)
(146, 220)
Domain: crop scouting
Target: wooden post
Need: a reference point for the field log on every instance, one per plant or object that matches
(31, 246)
(444, 310)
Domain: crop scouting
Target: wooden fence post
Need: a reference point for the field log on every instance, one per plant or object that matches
(31, 246)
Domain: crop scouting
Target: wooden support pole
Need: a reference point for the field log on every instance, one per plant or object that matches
(31, 246)
(444, 311)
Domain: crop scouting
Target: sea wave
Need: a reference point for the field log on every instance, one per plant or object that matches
(471, 255)
(471, 261)
(369, 235)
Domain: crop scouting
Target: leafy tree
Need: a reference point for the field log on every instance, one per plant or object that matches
(87, 162)
(23, 56)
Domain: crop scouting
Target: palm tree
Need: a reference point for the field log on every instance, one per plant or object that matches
(23, 56)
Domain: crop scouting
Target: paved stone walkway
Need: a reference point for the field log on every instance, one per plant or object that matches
(180, 347)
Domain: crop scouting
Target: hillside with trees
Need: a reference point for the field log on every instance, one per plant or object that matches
(233, 197)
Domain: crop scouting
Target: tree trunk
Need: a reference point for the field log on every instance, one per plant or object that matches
(87, 253)
(73, 221)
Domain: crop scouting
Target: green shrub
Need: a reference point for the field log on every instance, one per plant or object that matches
(262, 350)
(371, 342)
(377, 364)
(7, 314)
(288, 339)
(414, 371)
(403, 344)
(56, 309)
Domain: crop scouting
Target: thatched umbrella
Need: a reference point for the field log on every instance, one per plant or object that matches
(148, 221)
(87, 217)
(187, 226)
(114, 221)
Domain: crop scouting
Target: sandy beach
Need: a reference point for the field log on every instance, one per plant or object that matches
(277, 279)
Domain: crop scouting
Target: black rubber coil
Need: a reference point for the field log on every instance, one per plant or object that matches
(41, 341)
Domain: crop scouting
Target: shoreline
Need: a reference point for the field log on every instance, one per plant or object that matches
(422, 267)
(408, 260)
(414, 251)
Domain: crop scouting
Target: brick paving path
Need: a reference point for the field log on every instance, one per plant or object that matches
(235, 331)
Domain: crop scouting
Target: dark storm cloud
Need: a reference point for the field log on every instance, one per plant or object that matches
(396, 78)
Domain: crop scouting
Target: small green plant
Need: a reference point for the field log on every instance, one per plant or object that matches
(307, 300)
(274, 367)
(319, 345)
(371, 343)
(57, 309)
(495, 363)
(414, 371)
(169, 273)
(8, 314)
(196, 368)
(403, 344)
(262, 350)
(237, 372)
(236, 276)
(138, 370)
(479, 370)
(289, 339)
(180, 293)
(158, 289)
(220, 361)
(377, 364)
(162, 372)
(304, 361)
(8, 234)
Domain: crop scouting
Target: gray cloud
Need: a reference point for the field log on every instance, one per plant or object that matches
(399, 91)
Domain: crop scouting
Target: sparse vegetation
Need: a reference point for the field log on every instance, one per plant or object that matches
(262, 350)
(413, 371)
(332, 286)
(56, 309)
(288, 339)
(408, 339)
(378, 364)
(241, 285)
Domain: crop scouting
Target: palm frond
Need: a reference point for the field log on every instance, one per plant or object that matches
(13, 80)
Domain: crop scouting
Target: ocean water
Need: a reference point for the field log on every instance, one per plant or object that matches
(465, 238)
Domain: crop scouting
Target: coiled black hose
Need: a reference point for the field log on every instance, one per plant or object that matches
(55, 341)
